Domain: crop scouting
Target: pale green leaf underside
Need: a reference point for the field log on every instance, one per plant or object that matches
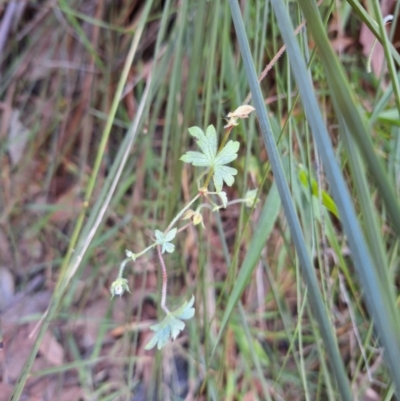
(223, 198)
(171, 325)
(196, 158)
(250, 197)
(163, 240)
(209, 157)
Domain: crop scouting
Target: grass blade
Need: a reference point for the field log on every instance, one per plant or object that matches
(379, 303)
(287, 202)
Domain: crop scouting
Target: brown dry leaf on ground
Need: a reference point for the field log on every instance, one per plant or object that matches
(52, 350)
(16, 332)
(71, 393)
(5, 391)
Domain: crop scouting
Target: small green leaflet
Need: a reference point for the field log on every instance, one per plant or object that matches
(250, 197)
(171, 325)
(164, 240)
(211, 158)
(327, 201)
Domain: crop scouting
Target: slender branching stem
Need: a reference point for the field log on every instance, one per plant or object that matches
(144, 251)
(180, 214)
(122, 267)
(236, 201)
(184, 227)
(164, 281)
(163, 267)
(132, 258)
(203, 205)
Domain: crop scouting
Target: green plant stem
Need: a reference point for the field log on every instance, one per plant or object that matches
(236, 201)
(163, 267)
(164, 281)
(133, 258)
(164, 270)
(122, 267)
(179, 215)
(137, 255)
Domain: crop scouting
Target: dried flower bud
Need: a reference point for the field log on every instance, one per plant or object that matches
(119, 286)
(241, 112)
(196, 217)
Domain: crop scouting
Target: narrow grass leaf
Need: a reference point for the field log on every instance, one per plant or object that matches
(378, 303)
(308, 272)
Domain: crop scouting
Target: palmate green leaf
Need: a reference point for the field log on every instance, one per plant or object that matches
(164, 240)
(211, 158)
(170, 327)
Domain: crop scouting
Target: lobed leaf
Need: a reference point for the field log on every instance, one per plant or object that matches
(171, 325)
(211, 158)
(164, 240)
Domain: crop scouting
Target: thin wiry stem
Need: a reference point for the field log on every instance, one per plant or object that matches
(164, 281)
(180, 214)
(122, 267)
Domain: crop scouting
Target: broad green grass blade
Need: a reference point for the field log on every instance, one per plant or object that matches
(378, 300)
(287, 202)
